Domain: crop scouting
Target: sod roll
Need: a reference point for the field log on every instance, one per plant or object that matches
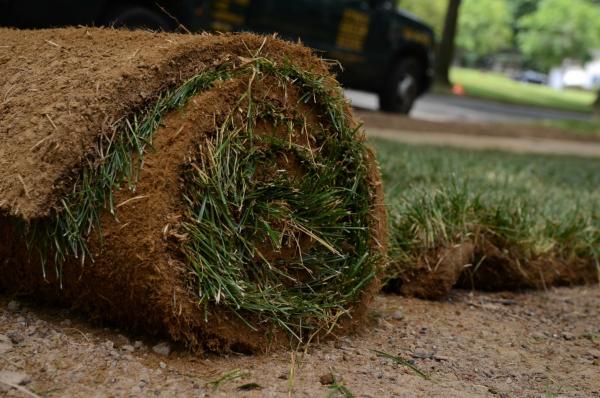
(215, 189)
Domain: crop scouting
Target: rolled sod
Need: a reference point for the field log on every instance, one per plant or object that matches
(212, 188)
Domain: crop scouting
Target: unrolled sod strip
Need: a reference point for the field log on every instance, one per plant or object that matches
(212, 188)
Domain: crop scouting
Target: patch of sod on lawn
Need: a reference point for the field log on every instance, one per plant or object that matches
(534, 209)
(501, 88)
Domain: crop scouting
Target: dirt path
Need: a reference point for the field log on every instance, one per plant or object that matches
(513, 137)
(513, 144)
(471, 345)
(507, 137)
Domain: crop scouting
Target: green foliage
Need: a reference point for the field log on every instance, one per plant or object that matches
(560, 29)
(432, 12)
(484, 25)
(484, 28)
(520, 8)
(544, 31)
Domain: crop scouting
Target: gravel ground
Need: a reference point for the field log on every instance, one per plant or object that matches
(536, 344)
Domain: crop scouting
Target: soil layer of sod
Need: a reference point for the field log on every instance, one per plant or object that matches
(212, 188)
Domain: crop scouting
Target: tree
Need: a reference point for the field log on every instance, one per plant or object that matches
(561, 29)
(445, 53)
(484, 28)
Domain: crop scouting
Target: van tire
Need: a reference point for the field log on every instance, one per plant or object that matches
(402, 87)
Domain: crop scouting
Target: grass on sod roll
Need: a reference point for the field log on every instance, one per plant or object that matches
(231, 210)
(538, 205)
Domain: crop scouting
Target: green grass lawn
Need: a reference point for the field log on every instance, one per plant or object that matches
(533, 206)
(498, 87)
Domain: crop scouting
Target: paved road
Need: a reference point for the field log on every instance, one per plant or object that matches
(437, 107)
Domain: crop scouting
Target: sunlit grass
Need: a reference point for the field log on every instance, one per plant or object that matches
(533, 205)
(501, 88)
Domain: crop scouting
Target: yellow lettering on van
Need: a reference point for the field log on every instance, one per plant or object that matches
(224, 17)
(416, 36)
(353, 30)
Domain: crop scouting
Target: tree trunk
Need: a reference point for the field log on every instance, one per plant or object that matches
(446, 48)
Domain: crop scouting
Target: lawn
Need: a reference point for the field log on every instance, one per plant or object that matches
(498, 87)
(533, 207)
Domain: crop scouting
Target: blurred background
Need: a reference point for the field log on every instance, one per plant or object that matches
(484, 119)
(531, 63)
(541, 55)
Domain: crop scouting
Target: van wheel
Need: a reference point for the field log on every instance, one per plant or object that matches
(137, 17)
(402, 87)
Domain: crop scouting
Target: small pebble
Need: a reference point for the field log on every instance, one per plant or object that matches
(13, 306)
(163, 349)
(15, 337)
(15, 378)
(594, 353)
(538, 335)
(327, 379)
(398, 315)
(421, 354)
(121, 340)
(5, 347)
(162, 365)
